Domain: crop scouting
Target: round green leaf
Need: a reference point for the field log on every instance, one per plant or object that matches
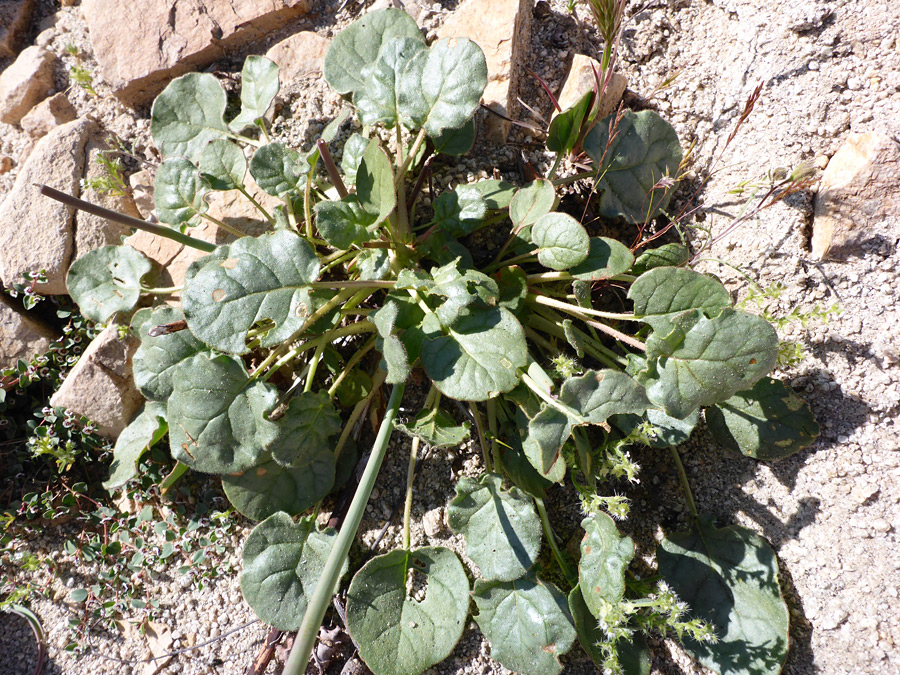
(259, 86)
(355, 48)
(223, 165)
(375, 183)
(502, 529)
(531, 202)
(667, 255)
(442, 85)
(526, 622)
(107, 280)
(766, 422)
(399, 635)
(278, 170)
(459, 212)
(605, 555)
(562, 241)
(479, 357)
(305, 430)
(729, 578)
(141, 434)
(178, 192)
(155, 360)
(606, 258)
(344, 223)
(253, 279)
(637, 167)
(664, 292)
(217, 417)
(187, 115)
(706, 361)
(597, 394)
(283, 561)
(377, 100)
(267, 487)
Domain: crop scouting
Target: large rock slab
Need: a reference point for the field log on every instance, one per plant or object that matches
(47, 115)
(101, 386)
(37, 232)
(27, 82)
(299, 56)
(142, 44)
(21, 337)
(15, 18)
(581, 80)
(502, 28)
(860, 189)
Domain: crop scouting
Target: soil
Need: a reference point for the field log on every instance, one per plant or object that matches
(831, 512)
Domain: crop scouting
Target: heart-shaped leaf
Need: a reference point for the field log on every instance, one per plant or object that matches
(305, 429)
(187, 115)
(536, 199)
(399, 635)
(526, 622)
(375, 183)
(441, 86)
(637, 167)
(344, 223)
(283, 561)
(502, 529)
(459, 212)
(217, 417)
(267, 487)
(729, 578)
(107, 280)
(705, 361)
(562, 241)
(158, 356)
(278, 170)
(178, 192)
(223, 165)
(255, 278)
(259, 86)
(605, 555)
(766, 422)
(436, 429)
(356, 48)
(142, 433)
(665, 292)
(667, 255)
(479, 356)
(606, 258)
(377, 100)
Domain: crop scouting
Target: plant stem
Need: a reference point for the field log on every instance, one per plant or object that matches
(318, 604)
(511, 261)
(259, 207)
(333, 174)
(575, 309)
(574, 178)
(591, 347)
(402, 214)
(404, 166)
(307, 197)
(479, 426)
(356, 413)
(410, 479)
(356, 358)
(130, 221)
(225, 226)
(548, 399)
(492, 426)
(337, 283)
(313, 366)
(551, 539)
(162, 291)
(682, 476)
(330, 336)
(331, 260)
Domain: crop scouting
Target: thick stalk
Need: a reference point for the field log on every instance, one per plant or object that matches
(357, 412)
(115, 216)
(575, 309)
(259, 207)
(410, 479)
(351, 364)
(318, 604)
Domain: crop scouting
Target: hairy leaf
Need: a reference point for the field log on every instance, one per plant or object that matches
(392, 349)
(399, 635)
(305, 429)
(501, 528)
(436, 429)
(375, 183)
(562, 241)
(513, 289)
(156, 359)
(252, 280)
(729, 578)
(187, 115)
(766, 422)
(259, 86)
(536, 199)
(377, 101)
(459, 212)
(526, 622)
(664, 292)
(277, 169)
(456, 142)
(597, 394)
(667, 255)
(374, 264)
(344, 223)
(605, 555)
(178, 192)
(606, 258)
(107, 280)
(353, 153)
(141, 434)
(223, 165)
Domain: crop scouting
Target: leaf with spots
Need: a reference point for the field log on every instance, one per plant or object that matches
(253, 280)
(605, 555)
(178, 192)
(107, 280)
(402, 635)
(156, 359)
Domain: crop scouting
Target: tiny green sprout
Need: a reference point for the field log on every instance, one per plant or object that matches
(83, 78)
(564, 366)
(72, 49)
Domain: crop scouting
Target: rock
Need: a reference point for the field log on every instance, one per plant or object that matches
(100, 386)
(141, 45)
(860, 188)
(93, 231)
(15, 20)
(502, 28)
(25, 83)
(581, 80)
(141, 183)
(433, 521)
(5, 164)
(21, 337)
(299, 56)
(42, 237)
(47, 114)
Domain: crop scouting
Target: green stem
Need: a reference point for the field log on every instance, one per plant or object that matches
(404, 166)
(548, 399)
(351, 364)
(551, 539)
(410, 478)
(575, 309)
(492, 426)
(356, 413)
(130, 221)
(225, 226)
(556, 162)
(330, 336)
(585, 456)
(162, 291)
(479, 426)
(314, 366)
(259, 207)
(591, 347)
(307, 196)
(333, 261)
(574, 178)
(511, 261)
(682, 476)
(337, 283)
(402, 215)
(318, 604)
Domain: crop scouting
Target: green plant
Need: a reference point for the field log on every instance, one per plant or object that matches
(283, 341)
(82, 76)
